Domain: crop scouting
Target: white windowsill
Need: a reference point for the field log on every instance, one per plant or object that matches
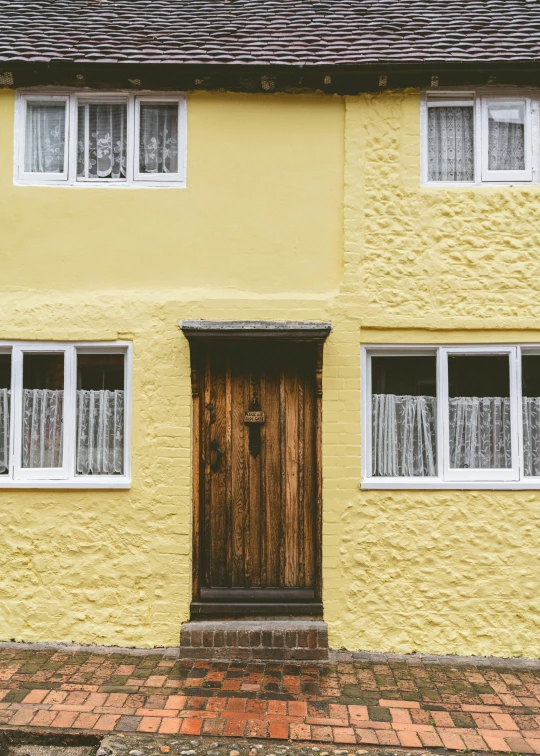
(103, 185)
(94, 482)
(479, 184)
(424, 484)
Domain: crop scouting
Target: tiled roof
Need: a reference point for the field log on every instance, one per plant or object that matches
(266, 32)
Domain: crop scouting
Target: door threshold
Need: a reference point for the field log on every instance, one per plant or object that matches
(251, 608)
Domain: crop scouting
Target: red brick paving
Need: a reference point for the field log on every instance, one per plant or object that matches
(395, 702)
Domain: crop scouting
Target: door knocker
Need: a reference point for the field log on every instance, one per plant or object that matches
(254, 418)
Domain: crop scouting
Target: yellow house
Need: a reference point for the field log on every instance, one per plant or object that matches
(269, 341)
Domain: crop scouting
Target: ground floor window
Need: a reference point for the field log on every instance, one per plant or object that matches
(451, 415)
(64, 418)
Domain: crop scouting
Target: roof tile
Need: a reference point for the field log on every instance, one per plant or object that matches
(287, 32)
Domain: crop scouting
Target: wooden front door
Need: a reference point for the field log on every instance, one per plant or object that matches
(257, 539)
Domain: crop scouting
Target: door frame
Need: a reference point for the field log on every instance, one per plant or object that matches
(204, 332)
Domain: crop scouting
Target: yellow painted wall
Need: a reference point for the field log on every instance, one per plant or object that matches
(256, 234)
(447, 571)
(296, 207)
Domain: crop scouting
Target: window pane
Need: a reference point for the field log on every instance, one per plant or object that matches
(506, 138)
(404, 412)
(158, 138)
(450, 144)
(530, 386)
(45, 137)
(479, 409)
(5, 396)
(43, 400)
(100, 414)
(102, 141)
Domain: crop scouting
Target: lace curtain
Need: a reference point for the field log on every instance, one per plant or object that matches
(42, 428)
(404, 435)
(506, 146)
(480, 432)
(531, 435)
(4, 430)
(100, 432)
(45, 137)
(450, 144)
(158, 147)
(102, 140)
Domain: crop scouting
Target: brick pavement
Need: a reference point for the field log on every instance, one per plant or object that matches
(401, 701)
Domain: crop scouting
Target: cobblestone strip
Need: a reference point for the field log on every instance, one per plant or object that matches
(355, 702)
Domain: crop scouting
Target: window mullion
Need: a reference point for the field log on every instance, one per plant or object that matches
(72, 139)
(16, 411)
(515, 414)
(131, 142)
(86, 142)
(443, 413)
(70, 410)
(519, 414)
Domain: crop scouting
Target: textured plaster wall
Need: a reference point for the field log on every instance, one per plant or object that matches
(447, 571)
(296, 207)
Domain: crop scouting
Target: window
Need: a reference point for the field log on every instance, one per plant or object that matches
(476, 138)
(100, 139)
(64, 419)
(451, 417)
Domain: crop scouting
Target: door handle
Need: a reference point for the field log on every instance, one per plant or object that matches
(215, 447)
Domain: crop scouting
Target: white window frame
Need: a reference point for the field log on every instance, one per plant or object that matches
(64, 477)
(21, 112)
(161, 178)
(461, 100)
(450, 474)
(106, 99)
(479, 99)
(512, 478)
(496, 176)
(133, 180)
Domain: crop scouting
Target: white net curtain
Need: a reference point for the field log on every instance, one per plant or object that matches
(100, 432)
(99, 429)
(5, 396)
(102, 141)
(480, 435)
(158, 138)
(42, 432)
(450, 144)
(45, 137)
(404, 434)
(506, 137)
(531, 435)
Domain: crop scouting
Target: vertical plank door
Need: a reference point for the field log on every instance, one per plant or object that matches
(257, 526)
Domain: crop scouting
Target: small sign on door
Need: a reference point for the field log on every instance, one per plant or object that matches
(257, 418)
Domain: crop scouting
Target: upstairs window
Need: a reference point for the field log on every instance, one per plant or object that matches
(450, 141)
(472, 138)
(102, 141)
(451, 416)
(45, 131)
(116, 139)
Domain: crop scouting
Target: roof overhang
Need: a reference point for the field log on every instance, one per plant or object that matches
(324, 78)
